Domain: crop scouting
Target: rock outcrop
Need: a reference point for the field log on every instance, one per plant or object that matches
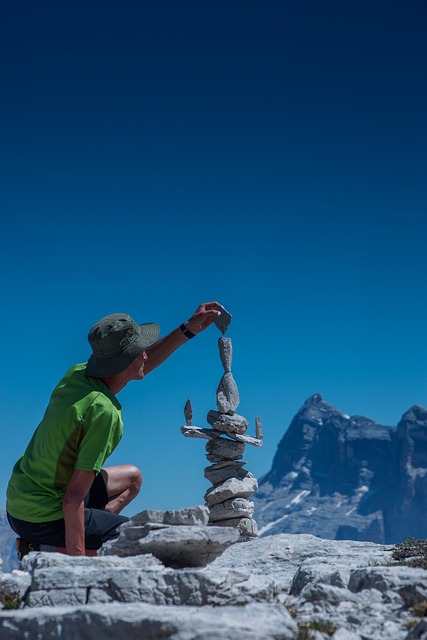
(343, 477)
(269, 588)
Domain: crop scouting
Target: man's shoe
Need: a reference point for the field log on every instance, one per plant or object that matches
(23, 547)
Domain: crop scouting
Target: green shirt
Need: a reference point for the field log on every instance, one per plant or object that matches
(81, 427)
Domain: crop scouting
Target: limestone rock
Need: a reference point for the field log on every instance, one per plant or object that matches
(200, 432)
(188, 516)
(223, 319)
(233, 508)
(14, 585)
(232, 488)
(351, 585)
(227, 394)
(222, 471)
(258, 429)
(188, 412)
(180, 547)
(136, 621)
(225, 353)
(255, 442)
(246, 526)
(223, 449)
(174, 546)
(228, 423)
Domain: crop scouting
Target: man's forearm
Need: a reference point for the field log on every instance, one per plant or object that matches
(163, 348)
(74, 528)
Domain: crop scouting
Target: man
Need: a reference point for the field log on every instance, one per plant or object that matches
(59, 494)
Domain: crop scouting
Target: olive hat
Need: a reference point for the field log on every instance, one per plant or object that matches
(116, 341)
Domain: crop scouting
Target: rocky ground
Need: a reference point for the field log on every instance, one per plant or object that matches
(281, 587)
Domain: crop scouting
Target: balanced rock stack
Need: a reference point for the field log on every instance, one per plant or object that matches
(232, 484)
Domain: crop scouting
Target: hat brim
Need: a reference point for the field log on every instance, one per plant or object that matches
(103, 367)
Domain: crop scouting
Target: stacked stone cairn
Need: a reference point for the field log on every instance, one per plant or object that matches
(228, 499)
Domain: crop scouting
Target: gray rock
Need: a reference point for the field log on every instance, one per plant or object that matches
(225, 353)
(258, 429)
(137, 621)
(245, 526)
(188, 412)
(408, 583)
(221, 471)
(351, 585)
(345, 634)
(223, 319)
(232, 488)
(227, 423)
(315, 573)
(189, 546)
(227, 394)
(223, 449)
(200, 432)
(255, 442)
(188, 516)
(419, 632)
(14, 585)
(234, 508)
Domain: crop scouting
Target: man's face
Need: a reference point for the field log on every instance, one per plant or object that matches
(136, 369)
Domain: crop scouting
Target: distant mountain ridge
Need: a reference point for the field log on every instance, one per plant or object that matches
(7, 545)
(342, 477)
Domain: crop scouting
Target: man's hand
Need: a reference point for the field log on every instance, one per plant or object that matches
(158, 352)
(202, 317)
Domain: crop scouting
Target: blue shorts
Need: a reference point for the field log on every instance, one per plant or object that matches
(100, 525)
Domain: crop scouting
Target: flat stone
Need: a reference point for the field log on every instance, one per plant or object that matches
(256, 621)
(200, 432)
(188, 516)
(245, 526)
(132, 532)
(187, 546)
(225, 449)
(218, 473)
(225, 353)
(227, 423)
(234, 508)
(232, 488)
(227, 394)
(255, 442)
(223, 319)
(175, 546)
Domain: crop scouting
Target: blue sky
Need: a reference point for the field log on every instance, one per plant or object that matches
(269, 155)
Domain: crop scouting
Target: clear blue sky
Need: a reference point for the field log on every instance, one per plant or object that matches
(269, 155)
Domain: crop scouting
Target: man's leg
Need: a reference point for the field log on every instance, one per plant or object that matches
(123, 483)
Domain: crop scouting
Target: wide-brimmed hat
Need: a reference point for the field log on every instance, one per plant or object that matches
(116, 341)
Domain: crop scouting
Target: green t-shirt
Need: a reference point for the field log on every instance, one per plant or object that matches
(81, 427)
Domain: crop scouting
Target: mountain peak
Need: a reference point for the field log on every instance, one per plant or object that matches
(338, 476)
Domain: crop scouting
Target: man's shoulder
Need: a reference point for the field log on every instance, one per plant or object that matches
(76, 377)
(76, 386)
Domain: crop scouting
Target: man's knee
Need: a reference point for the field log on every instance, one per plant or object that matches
(135, 477)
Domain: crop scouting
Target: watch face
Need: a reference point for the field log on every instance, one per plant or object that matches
(222, 321)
